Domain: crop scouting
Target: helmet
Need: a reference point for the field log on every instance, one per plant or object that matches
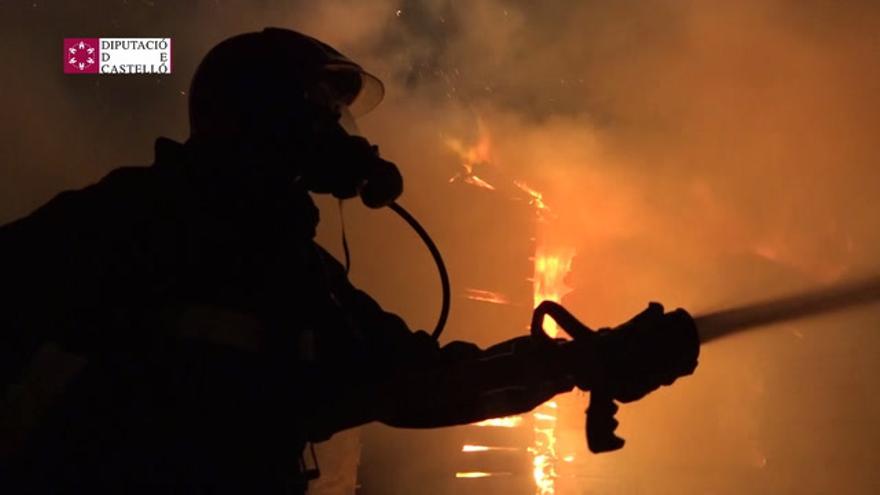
(252, 79)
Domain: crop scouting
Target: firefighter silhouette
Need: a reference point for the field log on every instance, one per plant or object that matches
(201, 338)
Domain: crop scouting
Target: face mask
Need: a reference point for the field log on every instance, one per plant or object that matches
(346, 165)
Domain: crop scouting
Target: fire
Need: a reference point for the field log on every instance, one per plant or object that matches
(468, 177)
(544, 452)
(471, 157)
(536, 198)
(474, 448)
(552, 262)
(486, 448)
(544, 417)
(505, 422)
(544, 474)
(486, 296)
(551, 267)
(478, 474)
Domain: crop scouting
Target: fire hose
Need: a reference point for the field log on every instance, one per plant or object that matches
(713, 326)
(438, 260)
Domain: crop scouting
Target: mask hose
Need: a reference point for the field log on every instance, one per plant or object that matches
(438, 259)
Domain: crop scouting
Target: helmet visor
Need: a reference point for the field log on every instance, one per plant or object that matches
(348, 122)
(358, 89)
(348, 91)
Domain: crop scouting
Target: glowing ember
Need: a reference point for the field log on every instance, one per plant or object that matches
(471, 157)
(485, 448)
(551, 267)
(552, 264)
(544, 452)
(478, 474)
(474, 448)
(544, 474)
(486, 296)
(474, 180)
(537, 199)
(505, 422)
(544, 417)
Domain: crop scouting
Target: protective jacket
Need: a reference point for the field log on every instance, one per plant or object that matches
(219, 336)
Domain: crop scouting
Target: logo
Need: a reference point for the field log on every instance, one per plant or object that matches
(117, 55)
(81, 55)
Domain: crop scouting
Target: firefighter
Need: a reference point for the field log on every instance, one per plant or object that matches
(198, 338)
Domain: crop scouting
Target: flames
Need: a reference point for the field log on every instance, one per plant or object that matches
(505, 422)
(486, 296)
(485, 448)
(552, 262)
(544, 449)
(536, 198)
(479, 474)
(472, 157)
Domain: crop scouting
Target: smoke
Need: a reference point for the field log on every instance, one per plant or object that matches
(697, 153)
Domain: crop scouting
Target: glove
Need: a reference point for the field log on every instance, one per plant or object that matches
(648, 351)
(625, 363)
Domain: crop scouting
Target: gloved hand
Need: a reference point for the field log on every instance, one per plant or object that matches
(625, 363)
(648, 351)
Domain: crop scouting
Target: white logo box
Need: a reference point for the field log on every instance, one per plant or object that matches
(135, 55)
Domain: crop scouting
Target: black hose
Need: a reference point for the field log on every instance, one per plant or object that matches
(438, 259)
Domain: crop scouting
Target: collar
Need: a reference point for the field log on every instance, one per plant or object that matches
(214, 168)
(168, 151)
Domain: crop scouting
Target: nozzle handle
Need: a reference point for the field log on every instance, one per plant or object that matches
(600, 421)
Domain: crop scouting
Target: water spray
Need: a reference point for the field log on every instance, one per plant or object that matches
(719, 324)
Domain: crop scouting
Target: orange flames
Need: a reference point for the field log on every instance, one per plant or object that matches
(486, 296)
(485, 448)
(552, 262)
(505, 422)
(471, 157)
(536, 198)
(479, 474)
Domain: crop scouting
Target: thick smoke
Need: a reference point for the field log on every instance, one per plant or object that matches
(696, 153)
